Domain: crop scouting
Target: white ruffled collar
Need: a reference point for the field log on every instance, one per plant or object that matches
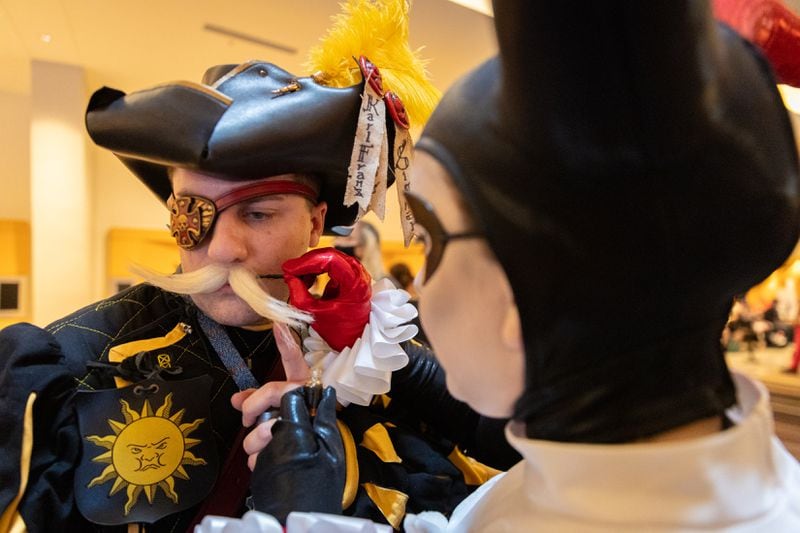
(365, 369)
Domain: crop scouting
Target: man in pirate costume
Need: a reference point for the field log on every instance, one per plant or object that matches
(120, 415)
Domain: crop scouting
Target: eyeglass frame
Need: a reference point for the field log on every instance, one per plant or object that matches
(438, 236)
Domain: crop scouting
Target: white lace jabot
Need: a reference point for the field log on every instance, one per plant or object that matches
(365, 369)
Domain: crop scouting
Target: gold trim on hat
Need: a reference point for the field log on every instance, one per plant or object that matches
(293, 86)
(234, 71)
(199, 87)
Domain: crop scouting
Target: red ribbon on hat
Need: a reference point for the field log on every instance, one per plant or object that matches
(393, 103)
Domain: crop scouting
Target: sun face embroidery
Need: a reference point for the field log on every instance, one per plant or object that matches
(146, 452)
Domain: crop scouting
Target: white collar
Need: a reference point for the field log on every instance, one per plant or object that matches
(726, 477)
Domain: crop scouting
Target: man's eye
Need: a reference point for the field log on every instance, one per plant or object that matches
(258, 215)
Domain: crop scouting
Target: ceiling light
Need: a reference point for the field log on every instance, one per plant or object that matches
(46, 38)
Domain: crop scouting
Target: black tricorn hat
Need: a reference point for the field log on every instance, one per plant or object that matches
(243, 122)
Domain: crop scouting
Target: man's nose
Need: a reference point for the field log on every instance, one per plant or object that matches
(227, 239)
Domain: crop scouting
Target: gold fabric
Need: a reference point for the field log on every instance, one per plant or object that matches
(384, 400)
(123, 351)
(390, 502)
(351, 465)
(205, 89)
(475, 472)
(377, 440)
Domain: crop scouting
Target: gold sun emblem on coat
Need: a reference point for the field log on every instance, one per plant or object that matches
(146, 452)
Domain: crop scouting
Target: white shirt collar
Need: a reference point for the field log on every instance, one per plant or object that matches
(729, 476)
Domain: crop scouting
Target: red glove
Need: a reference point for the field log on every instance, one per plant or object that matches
(343, 310)
(770, 25)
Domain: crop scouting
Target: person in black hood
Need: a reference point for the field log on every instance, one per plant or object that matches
(595, 190)
(594, 186)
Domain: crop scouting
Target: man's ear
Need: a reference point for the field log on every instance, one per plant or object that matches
(318, 213)
(511, 334)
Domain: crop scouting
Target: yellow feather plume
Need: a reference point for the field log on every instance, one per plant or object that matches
(377, 29)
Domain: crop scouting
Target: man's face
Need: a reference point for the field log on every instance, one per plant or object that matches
(259, 234)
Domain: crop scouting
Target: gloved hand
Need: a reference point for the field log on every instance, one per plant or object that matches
(343, 310)
(303, 467)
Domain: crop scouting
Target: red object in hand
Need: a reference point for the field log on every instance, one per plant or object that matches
(343, 310)
(771, 26)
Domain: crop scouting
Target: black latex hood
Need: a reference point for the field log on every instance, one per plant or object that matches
(235, 126)
(634, 169)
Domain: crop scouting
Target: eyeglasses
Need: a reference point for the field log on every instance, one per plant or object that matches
(435, 237)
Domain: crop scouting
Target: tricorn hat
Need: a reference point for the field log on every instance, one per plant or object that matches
(257, 120)
(243, 122)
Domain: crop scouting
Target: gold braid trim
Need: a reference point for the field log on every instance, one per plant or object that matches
(351, 465)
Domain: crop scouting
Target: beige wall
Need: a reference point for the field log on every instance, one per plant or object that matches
(15, 180)
(120, 201)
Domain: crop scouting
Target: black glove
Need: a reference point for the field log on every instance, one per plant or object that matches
(303, 467)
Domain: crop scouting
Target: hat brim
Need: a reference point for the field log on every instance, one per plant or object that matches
(242, 128)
